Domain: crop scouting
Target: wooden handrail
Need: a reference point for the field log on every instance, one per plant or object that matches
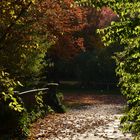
(33, 90)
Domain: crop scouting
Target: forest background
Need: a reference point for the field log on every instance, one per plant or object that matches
(58, 40)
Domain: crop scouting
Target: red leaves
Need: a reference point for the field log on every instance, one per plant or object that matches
(60, 16)
(63, 21)
(106, 16)
(71, 25)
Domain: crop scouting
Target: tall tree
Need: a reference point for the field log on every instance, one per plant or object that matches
(63, 23)
(22, 38)
(23, 44)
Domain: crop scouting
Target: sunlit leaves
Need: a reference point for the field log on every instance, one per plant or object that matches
(126, 32)
(23, 44)
(7, 85)
(21, 36)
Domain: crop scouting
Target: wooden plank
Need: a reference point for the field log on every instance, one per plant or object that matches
(33, 90)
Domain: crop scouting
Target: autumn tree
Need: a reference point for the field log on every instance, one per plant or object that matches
(75, 34)
(23, 45)
(63, 23)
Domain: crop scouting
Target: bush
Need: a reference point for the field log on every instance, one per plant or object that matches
(126, 32)
(16, 124)
(129, 71)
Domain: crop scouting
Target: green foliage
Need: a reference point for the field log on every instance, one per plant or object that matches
(60, 96)
(39, 110)
(39, 99)
(7, 86)
(29, 116)
(23, 123)
(129, 72)
(17, 124)
(126, 32)
(23, 43)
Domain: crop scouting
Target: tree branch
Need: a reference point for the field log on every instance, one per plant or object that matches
(14, 22)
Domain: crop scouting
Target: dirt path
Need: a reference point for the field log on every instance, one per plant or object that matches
(91, 117)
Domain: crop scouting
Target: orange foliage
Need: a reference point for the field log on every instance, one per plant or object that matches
(106, 16)
(72, 27)
(64, 22)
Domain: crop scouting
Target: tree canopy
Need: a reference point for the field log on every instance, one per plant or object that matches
(29, 27)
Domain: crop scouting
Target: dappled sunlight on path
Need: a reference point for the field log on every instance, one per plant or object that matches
(90, 117)
(90, 99)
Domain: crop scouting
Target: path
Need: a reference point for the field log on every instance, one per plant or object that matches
(86, 120)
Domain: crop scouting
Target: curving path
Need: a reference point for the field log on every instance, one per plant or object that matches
(91, 117)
